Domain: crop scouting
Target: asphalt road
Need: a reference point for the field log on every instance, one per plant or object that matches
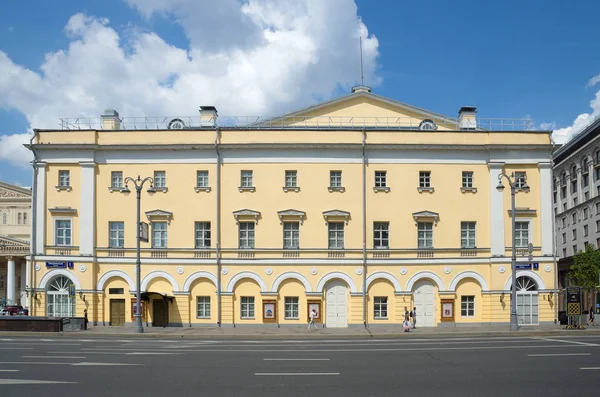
(450, 366)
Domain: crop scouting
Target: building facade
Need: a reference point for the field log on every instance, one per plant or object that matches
(358, 207)
(576, 198)
(15, 227)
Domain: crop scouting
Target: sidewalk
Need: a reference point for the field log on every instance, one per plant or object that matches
(229, 332)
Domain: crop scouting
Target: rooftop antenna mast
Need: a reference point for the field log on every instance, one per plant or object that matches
(362, 79)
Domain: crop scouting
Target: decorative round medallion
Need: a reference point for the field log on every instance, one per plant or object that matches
(82, 268)
(37, 267)
(548, 268)
(501, 269)
(359, 270)
(313, 271)
(268, 271)
(447, 270)
(224, 271)
(403, 271)
(180, 270)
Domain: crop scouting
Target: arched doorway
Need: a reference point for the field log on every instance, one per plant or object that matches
(336, 297)
(424, 298)
(60, 297)
(527, 301)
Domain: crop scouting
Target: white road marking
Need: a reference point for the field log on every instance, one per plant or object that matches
(585, 368)
(16, 348)
(296, 373)
(85, 364)
(51, 357)
(559, 354)
(9, 370)
(59, 363)
(295, 359)
(47, 340)
(6, 340)
(149, 353)
(569, 341)
(29, 382)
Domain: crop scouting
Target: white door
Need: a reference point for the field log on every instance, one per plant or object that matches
(337, 305)
(527, 301)
(424, 296)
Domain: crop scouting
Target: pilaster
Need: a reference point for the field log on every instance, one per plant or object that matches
(87, 204)
(39, 223)
(546, 213)
(496, 211)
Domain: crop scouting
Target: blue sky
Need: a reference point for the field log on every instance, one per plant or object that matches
(510, 59)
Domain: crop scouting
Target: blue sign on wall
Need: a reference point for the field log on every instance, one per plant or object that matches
(529, 266)
(59, 265)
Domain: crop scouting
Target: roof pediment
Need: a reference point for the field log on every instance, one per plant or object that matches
(12, 191)
(9, 245)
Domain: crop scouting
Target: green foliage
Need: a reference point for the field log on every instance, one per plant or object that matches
(585, 269)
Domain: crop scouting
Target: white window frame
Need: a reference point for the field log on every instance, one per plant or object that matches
(468, 235)
(201, 240)
(291, 308)
(520, 179)
(116, 179)
(291, 179)
(467, 179)
(116, 235)
(246, 179)
(291, 235)
(467, 306)
(335, 233)
(381, 235)
(160, 179)
(425, 242)
(202, 180)
(203, 306)
(247, 308)
(247, 235)
(335, 179)
(56, 236)
(425, 179)
(380, 178)
(162, 234)
(529, 235)
(64, 178)
(380, 307)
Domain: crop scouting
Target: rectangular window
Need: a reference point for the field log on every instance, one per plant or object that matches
(598, 226)
(586, 180)
(598, 207)
(597, 172)
(467, 179)
(564, 222)
(160, 179)
(520, 179)
(203, 307)
(64, 178)
(247, 307)
(202, 234)
(116, 234)
(585, 213)
(380, 178)
(425, 235)
(574, 249)
(335, 178)
(565, 251)
(574, 218)
(585, 230)
(467, 306)
(336, 235)
(522, 234)
(291, 179)
(467, 235)
(159, 234)
(574, 234)
(116, 179)
(564, 238)
(381, 235)
(291, 235)
(116, 291)
(424, 179)
(62, 232)
(380, 307)
(202, 179)
(246, 179)
(291, 308)
(246, 235)
(575, 201)
(563, 192)
(586, 196)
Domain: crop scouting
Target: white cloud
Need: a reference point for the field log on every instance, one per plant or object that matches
(262, 57)
(563, 135)
(593, 81)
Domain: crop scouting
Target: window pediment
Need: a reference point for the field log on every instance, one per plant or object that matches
(156, 215)
(246, 213)
(523, 212)
(291, 214)
(426, 216)
(336, 214)
(62, 210)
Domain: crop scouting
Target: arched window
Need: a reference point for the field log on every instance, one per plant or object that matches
(60, 298)
(24, 218)
(427, 125)
(20, 218)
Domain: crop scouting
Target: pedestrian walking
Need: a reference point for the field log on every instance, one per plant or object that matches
(592, 317)
(413, 316)
(406, 325)
(406, 314)
(312, 316)
(85, 319)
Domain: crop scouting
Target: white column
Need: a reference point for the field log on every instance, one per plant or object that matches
(11, 281)
(87, 226)
(497, 238)
(546, 213)
(39, 225)
(23, 286)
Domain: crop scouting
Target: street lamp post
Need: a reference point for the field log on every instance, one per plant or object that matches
(514, 183)
(138, 184)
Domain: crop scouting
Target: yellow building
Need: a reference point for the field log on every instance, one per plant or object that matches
(358, 207)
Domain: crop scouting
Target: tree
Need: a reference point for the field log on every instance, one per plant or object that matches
(586, 268)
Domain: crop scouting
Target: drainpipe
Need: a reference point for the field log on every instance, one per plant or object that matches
(33, 221)
(554, 248)
(218, 228)
(364, 223)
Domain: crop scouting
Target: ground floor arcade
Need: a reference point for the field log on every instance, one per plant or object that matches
(13, 271)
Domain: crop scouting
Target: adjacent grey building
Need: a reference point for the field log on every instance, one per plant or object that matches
(576, 191)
